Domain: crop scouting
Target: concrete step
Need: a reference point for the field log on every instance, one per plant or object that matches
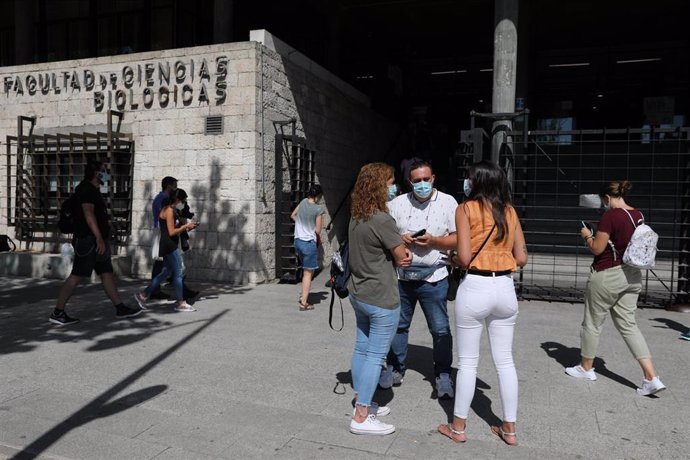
(51, 266)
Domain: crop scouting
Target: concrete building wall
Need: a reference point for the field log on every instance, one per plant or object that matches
(230, 177)
(335, 119)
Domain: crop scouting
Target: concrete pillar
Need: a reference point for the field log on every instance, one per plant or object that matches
(223, 18)
(24, 36)
(505, 67)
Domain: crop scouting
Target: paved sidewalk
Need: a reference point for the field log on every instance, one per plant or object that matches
(250, 376)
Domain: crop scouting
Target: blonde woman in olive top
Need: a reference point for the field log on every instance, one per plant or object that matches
(375, 245)
(486, 296)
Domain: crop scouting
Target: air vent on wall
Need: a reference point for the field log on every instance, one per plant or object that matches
(214, 125)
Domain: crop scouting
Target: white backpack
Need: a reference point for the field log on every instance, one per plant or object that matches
(641, 250)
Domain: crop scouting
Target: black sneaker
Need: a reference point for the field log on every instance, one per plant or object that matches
(123, 311)
(160, 295)
(60, 318)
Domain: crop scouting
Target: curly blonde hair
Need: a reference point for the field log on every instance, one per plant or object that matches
(371, 191)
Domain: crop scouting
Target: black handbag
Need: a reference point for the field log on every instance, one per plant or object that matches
(458, 274)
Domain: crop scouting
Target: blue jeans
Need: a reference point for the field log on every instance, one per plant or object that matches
(432, 298)
(375, 330)
(172, 264)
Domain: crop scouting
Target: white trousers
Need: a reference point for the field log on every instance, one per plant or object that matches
(489, 301)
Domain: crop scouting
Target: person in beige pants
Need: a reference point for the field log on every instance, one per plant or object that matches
(614, 287)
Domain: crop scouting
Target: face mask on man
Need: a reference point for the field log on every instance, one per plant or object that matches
(392, 191)
(422, 189)
(467, 187)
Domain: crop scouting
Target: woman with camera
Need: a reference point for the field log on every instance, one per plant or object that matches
(374, 246)
(614, 287)
(490, 246)
(169, 250)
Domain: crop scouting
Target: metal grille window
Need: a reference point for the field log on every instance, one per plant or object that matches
(43, 170)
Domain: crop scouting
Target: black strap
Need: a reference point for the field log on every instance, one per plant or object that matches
(481, 247)
(330, 313)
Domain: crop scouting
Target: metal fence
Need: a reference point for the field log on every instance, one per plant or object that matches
(552, 169)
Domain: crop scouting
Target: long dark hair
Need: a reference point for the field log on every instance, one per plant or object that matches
(490, 185)
(177, 194)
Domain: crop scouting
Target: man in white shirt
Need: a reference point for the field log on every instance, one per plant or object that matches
(426, 220)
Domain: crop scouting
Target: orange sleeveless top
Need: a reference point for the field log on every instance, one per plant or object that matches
(494, 256)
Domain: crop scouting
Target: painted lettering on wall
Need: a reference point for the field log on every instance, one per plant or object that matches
(136, 86)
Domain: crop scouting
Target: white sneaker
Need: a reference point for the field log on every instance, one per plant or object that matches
(650, 387)
(579, 372)
(372, 426)
(444, 387)
(386, 379)
(381, 411)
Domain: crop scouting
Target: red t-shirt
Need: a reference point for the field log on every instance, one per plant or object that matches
(617, 224)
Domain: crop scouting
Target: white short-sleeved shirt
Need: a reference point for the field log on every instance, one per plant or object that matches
(436, 215)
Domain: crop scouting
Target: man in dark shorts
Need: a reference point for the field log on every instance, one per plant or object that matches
(91, 247)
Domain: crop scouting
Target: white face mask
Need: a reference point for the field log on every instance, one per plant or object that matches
(606, 204)
(180, 205)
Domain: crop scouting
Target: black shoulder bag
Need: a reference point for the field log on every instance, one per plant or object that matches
(458, 274)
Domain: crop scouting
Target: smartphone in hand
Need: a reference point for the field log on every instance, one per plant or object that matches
(419, 233)
(588, 226)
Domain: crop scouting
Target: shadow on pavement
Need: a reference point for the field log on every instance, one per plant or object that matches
(481, 405)
(316, 298)
(24, 312)
(104, 406)
(670, 324)
(570, 356)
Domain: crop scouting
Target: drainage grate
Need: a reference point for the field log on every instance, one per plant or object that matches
(214, 125)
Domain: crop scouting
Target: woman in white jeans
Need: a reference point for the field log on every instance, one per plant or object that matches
(491, 246)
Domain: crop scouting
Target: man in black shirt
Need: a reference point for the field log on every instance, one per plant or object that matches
(91, 247)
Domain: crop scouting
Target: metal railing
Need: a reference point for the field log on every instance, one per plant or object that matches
(551, 169)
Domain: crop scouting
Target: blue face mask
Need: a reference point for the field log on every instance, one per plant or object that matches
(422, 189)
(392, 191)
(104, 177)
(467, 188)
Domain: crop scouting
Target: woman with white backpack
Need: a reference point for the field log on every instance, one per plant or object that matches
(614, 287)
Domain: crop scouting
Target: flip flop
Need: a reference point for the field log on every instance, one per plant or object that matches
(451, 433)
(498, 431)
(305, 306)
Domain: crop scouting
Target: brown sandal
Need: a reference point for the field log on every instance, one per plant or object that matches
(498, 431)
(451, 433)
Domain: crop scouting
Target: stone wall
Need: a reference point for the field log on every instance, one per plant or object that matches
(335, 119)
(230, 177)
